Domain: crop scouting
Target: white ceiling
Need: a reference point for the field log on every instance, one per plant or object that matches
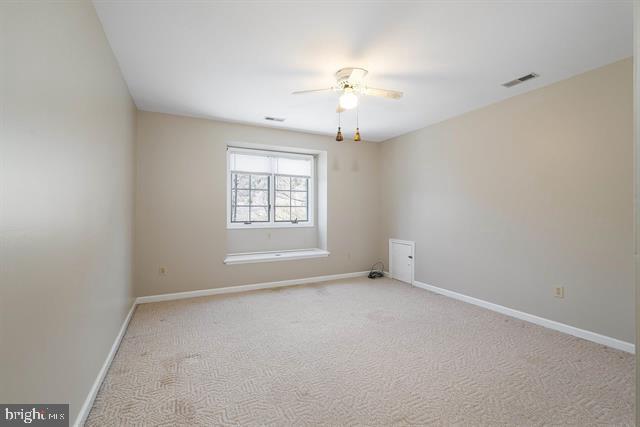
(240, 61)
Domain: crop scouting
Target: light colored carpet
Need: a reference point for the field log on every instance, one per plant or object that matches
(355, 352)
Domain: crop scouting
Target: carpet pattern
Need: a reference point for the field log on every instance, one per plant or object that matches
(355, 352)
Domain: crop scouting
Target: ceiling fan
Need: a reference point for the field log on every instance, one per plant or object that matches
(350, 81)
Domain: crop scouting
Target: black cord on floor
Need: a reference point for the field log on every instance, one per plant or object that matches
(377, 270)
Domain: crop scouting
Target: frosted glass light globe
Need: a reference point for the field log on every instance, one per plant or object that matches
(348, 100)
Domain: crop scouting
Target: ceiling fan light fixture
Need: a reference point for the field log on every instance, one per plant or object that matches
(348, 100)
(350, 81)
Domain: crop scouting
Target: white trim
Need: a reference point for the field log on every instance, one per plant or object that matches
(547, 323)
(273, 256)
(245, 288)
(273, 152)
(88, 402)
(254, 225)
(404, 242)
(413, 255)
(280, 148)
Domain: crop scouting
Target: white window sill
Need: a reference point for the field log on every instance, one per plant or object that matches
(249, 258)
(236, 226)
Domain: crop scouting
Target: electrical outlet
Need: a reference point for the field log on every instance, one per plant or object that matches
(162, 271)
(558, 292)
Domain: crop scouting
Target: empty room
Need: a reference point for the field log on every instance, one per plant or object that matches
(319, 213)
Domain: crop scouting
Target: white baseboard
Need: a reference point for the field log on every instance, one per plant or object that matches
(551, 324)
(88, 402)
(245, 288)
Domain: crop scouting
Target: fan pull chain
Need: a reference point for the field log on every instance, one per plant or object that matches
(356, 137)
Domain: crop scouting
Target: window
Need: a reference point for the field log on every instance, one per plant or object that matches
(292, 194)
(250, 198)
(269, 188)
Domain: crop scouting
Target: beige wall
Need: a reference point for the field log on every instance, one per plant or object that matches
(66, 208)
(636, 122)
(509, 201)
(271, 239)
(181, 205)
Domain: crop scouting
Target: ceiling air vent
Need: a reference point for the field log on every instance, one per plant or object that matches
(274, 119)
(520, 80)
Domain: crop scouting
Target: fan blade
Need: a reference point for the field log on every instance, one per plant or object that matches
(392, 94)
(312, 90)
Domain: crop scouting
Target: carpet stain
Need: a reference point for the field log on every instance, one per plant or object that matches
(167, 380)
(322, 290)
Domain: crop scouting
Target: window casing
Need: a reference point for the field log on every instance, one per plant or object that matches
(269, 188)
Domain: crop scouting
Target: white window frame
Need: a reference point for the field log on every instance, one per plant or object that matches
(311, 203)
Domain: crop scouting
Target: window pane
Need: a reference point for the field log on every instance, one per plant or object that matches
(239, 214)
(286, 166)
(241, 180)
(299, 184)
(283, 214)
(259, 182)
(242, 199)
(282, 198)
(299, 213)
(259, 198)
(298, 198)
(252, 178)
(283, 182)
(259, 214)
(249, 163)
